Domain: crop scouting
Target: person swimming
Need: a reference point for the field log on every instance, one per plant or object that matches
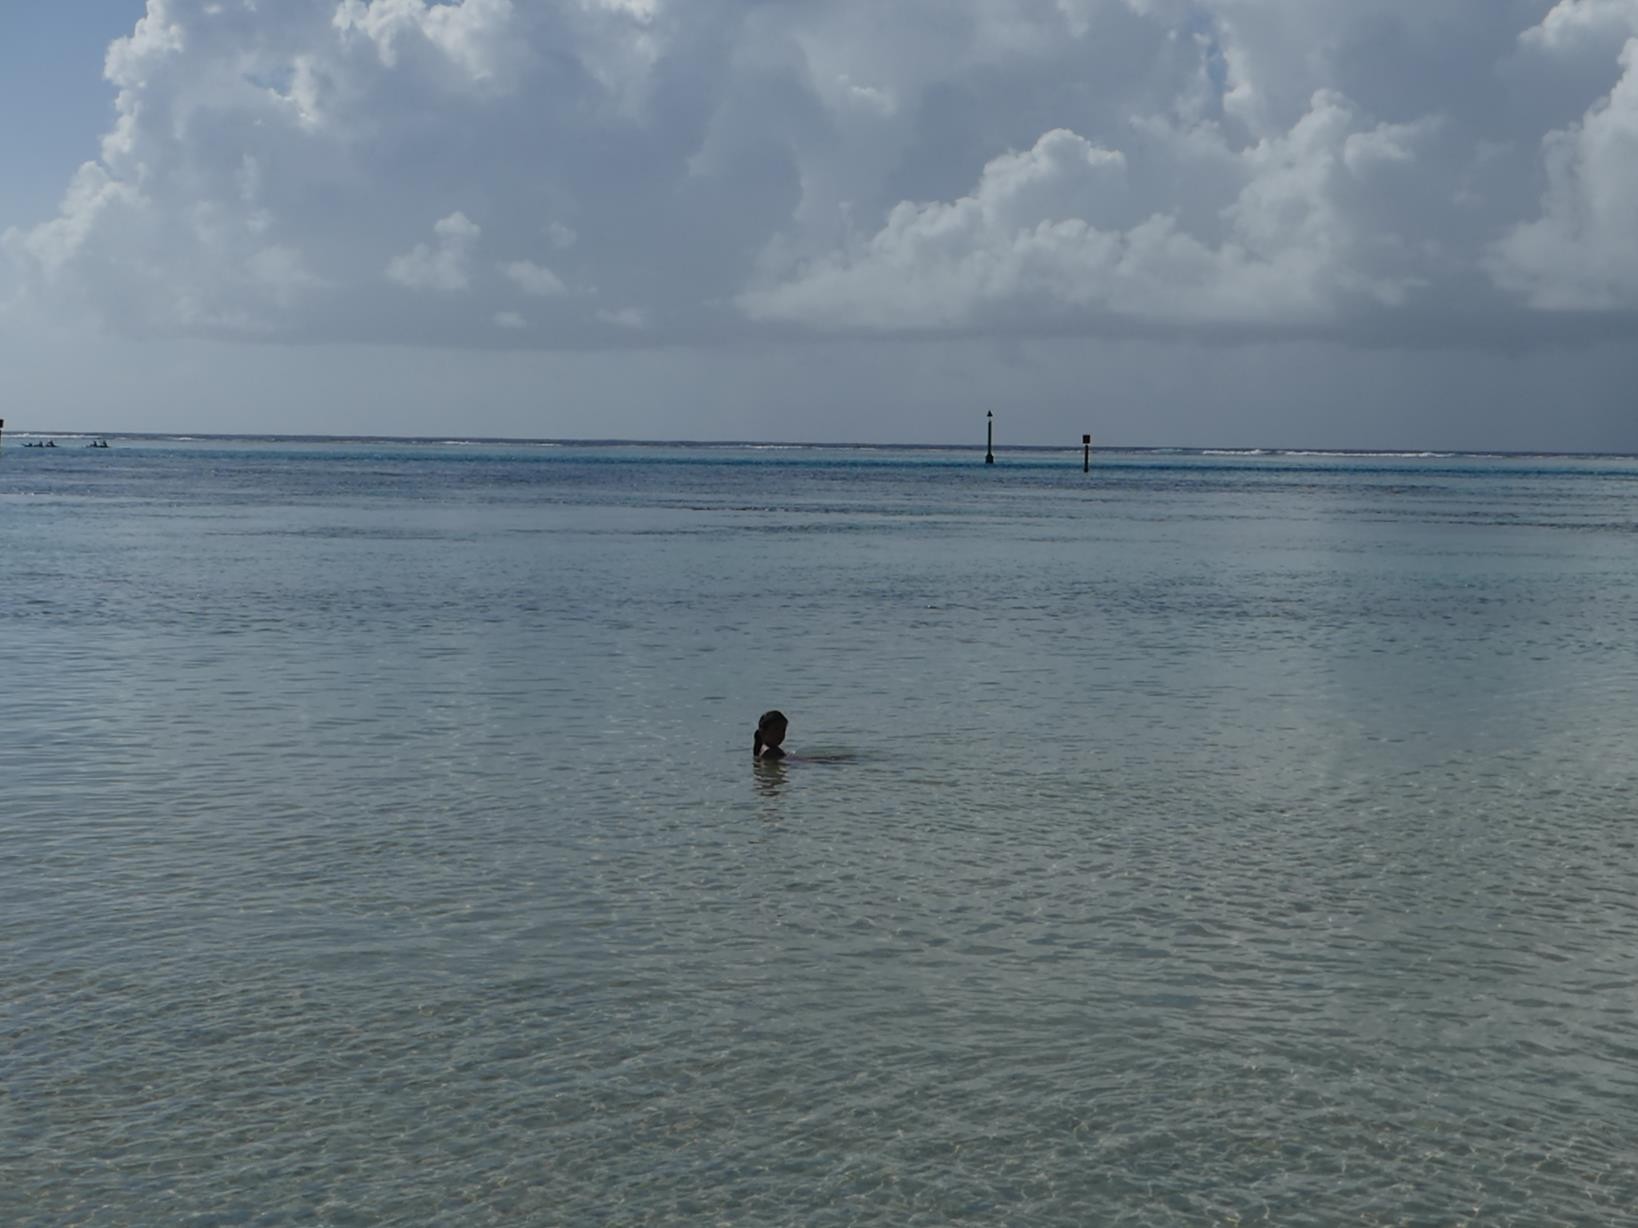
(770, 732)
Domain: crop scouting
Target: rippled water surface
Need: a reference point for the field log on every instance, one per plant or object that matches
(1210, 839)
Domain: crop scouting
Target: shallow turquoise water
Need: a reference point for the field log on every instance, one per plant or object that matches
(1213, 838)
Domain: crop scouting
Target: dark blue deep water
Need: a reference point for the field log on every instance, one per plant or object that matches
(1210, 839)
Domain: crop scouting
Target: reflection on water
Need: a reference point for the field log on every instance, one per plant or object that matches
(1215, 840)
(769, 776)
(833, 756)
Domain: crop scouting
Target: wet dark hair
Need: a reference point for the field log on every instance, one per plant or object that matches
(773, 716)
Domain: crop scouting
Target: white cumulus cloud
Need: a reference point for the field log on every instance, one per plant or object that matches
(1061, 230)
(441, 265)
(623, 317)
(699, 173)
(474, 38)
(1581, 252)
(534, 279)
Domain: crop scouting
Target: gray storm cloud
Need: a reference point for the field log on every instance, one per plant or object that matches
(586, 173)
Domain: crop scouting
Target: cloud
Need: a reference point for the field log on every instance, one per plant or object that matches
(623, 317)
(1055, 231)
(474, 40)
(709, 172)
(1581, 253)
(443, 265)
(1571, 26)
(534, 279)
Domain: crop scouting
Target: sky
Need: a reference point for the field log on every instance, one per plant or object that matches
(1303, 223)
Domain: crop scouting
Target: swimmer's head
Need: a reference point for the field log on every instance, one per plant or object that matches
(770, 730)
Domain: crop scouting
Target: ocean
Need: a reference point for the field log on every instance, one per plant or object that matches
(1215, 838)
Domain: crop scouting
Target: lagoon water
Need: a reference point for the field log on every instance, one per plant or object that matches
(1216, 838)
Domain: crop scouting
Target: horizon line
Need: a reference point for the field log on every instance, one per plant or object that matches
(619, 441)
